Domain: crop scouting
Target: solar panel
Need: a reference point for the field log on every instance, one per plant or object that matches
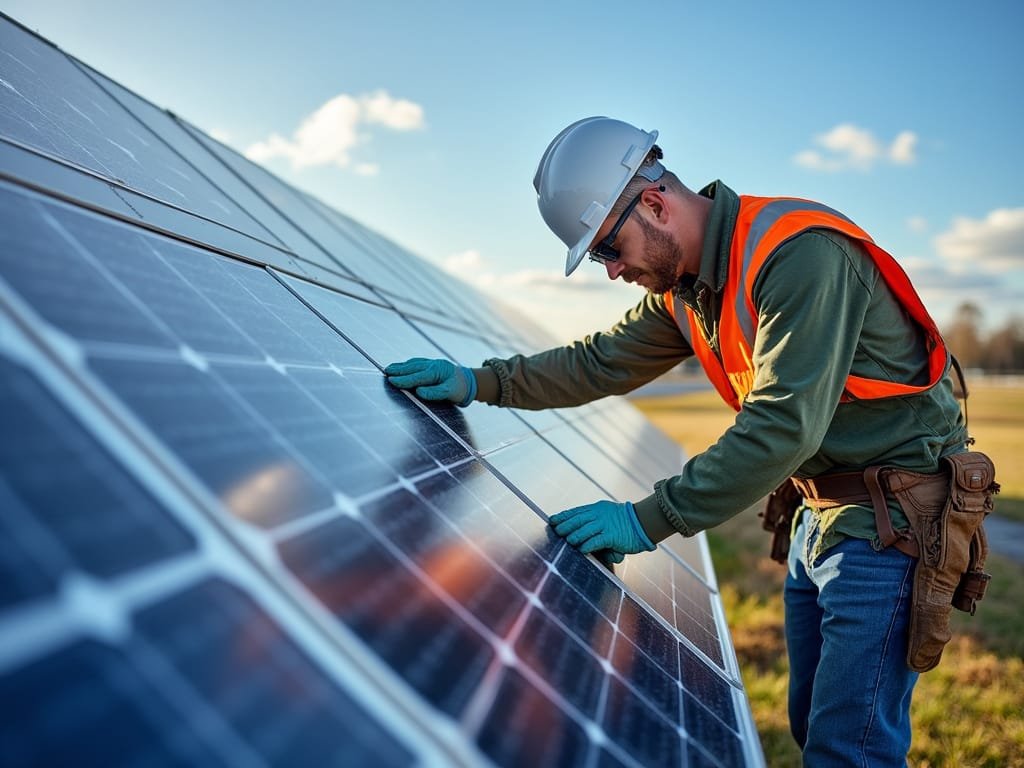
(226, 540)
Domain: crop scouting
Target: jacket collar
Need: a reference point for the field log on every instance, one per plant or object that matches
(714, 255)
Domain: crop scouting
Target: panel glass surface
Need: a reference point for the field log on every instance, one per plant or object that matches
(452, 299)
(386, 337)
(97, 673)
(380, 263)
(177, 691)
(612, 422)
(610, 472)
(679, 596)
(545, 476)
(472, 351)
(263, 429)
(49, 104)
(67, 505)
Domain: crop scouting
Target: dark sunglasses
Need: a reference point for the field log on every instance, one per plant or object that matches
(605, 251)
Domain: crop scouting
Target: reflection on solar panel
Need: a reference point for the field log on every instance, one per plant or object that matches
(226, 541)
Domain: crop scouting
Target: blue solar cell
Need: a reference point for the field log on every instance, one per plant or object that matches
(643, 732)
(645, 631)
(679, 596)
(383, 335)
(388, 425)
(387, 337)
(448, 559)
(278, 323)
(525, 727)
(707, 686)
(271, 696)
(465, 498)
(396, 614)
(342, 459)
(21, 575)
(709, 731)
(562, 661)
(176, 286)
(547, 478)
(47, 267)
(67, 503)
(653, 682)
(577, 614)
(590, 581)
(238, 458)
(88, 706)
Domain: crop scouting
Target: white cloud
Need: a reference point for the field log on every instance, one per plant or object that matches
(995, 242)
(847, 147)
(917, 224)
(555, 280)
(569, 308)
(472, 267)
(397, 114)
(466, 261)
(902, 149)
(327, 136)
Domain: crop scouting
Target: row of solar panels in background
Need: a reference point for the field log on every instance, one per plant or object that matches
(238, 593)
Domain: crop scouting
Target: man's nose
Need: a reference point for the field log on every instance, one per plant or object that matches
(614, 268)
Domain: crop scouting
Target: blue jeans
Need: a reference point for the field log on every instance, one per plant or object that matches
(847, 615)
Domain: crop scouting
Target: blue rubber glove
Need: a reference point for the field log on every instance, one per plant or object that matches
(609, 557)
(434, 380)
(604, 525)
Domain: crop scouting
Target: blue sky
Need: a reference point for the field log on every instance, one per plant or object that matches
(425, 121)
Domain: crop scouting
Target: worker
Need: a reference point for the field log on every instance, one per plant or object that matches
(815, 336)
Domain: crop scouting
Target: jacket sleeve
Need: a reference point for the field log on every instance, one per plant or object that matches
(640, 347)
(811, 299)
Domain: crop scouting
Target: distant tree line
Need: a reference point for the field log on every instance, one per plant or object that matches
(999, 351)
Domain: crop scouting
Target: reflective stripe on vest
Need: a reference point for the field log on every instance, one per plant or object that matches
(763, 224)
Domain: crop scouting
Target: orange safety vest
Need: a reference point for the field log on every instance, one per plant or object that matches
(762, 226)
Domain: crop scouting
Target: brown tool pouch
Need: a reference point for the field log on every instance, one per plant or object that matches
(946, 512)
(777, 518)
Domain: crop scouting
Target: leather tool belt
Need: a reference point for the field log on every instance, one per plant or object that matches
(946, 535)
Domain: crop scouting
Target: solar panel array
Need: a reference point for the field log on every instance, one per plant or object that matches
(225, 540)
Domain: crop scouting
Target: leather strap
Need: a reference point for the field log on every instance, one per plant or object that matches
(883, 521)
(865, 488)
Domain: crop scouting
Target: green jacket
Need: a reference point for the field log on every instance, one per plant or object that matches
(823, 312)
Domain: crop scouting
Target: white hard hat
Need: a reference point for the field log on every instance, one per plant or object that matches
(583, 172)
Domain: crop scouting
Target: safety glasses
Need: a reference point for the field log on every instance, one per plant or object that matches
(605, 251)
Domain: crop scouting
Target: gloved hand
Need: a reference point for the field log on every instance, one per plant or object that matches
(603, 525)
(609, 557)
(434, 380)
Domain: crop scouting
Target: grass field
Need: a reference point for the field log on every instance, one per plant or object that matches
(969, 711)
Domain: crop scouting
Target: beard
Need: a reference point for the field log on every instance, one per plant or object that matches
(663, 256)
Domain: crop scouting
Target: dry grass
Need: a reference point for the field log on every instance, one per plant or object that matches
(969, 711)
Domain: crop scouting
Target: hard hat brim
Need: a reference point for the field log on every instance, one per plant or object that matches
(574, 257)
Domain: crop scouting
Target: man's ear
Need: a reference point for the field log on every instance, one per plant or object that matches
(654, 199)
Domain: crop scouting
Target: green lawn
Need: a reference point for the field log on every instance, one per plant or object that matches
(969, 711)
